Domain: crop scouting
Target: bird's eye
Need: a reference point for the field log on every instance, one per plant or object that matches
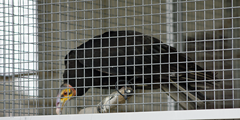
(65, 93)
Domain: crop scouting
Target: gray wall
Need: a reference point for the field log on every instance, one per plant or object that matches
(215, 53)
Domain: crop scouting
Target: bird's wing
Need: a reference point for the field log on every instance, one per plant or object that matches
(108, 53)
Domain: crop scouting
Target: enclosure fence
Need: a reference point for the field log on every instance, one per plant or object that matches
(141, 57)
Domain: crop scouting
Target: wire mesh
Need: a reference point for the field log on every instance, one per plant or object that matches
(98, 46)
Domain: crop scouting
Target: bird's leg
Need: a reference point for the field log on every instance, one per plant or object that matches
(115, 98)
(128, 83)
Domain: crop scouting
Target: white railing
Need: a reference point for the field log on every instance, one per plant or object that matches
(161, 115)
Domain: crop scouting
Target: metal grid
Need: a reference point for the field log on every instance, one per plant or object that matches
(37, 35)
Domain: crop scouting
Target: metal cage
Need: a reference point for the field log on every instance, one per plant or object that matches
(118, 56)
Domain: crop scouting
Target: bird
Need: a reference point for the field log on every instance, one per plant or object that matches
(128, 57)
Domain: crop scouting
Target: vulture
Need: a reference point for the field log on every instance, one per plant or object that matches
(132, 58)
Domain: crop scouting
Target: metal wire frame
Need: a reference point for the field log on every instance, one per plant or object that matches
(61, 28)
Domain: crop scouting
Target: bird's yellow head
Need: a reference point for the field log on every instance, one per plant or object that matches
(65, 94)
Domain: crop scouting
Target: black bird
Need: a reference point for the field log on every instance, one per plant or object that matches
(130, 55)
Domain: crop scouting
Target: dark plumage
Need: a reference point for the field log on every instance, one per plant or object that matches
(127, 54)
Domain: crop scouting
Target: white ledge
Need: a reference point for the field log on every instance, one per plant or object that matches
(159, 115)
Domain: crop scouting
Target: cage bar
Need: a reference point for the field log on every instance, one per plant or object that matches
(178, 57)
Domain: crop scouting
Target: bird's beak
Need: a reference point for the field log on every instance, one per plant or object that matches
(60, 103)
